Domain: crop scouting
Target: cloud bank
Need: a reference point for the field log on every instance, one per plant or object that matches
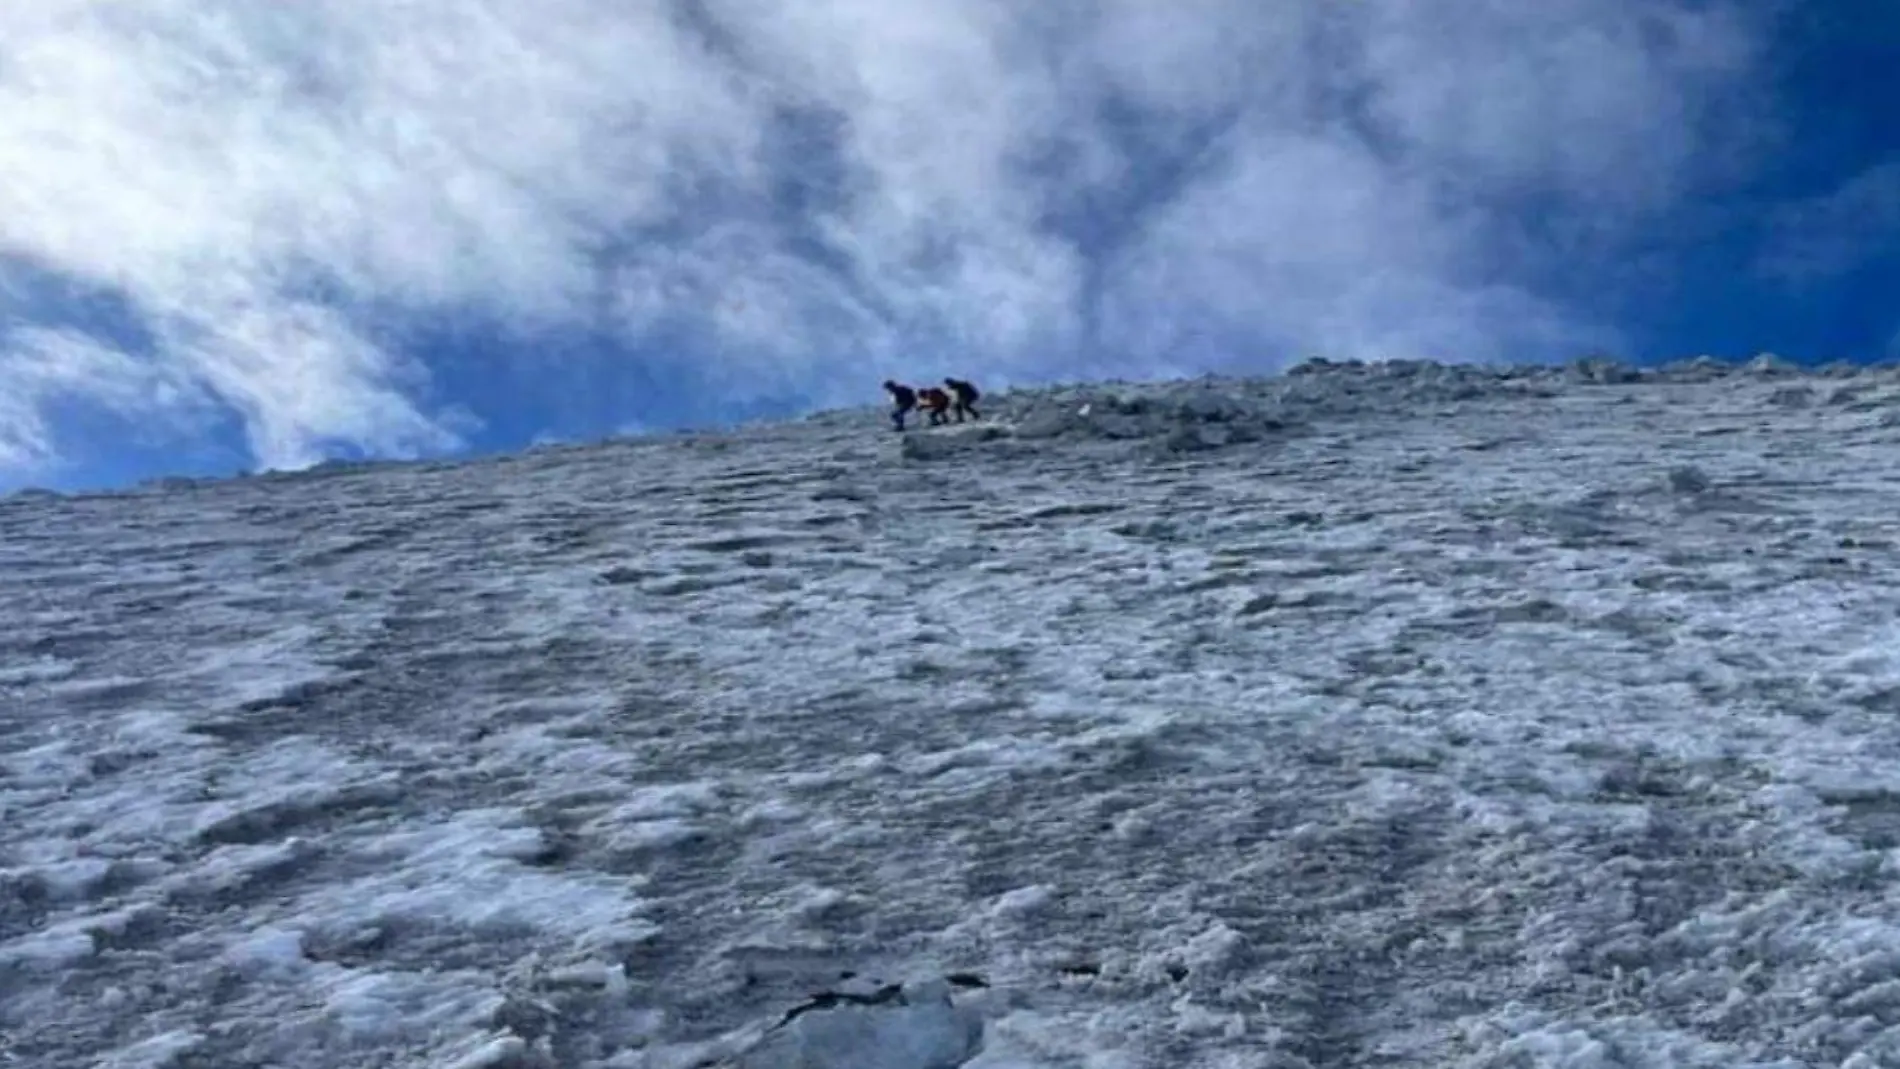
(230, 213)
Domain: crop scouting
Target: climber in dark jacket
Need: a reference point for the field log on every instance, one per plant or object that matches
(903, 399)
(966, 395)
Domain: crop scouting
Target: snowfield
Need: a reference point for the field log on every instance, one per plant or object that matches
(1388, 715)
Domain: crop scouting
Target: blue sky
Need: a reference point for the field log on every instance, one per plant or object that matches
(237, 235)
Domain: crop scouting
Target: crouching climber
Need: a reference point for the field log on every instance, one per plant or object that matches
(966, 395)
(936, 403)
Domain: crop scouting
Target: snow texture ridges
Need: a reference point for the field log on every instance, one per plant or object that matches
(1536, 718)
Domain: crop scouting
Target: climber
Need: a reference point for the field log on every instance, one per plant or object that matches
(903, 399)
(935, 402)
(966, 394)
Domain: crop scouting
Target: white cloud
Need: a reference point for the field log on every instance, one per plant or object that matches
(812, 194)
(42, 368)
(1597, 101)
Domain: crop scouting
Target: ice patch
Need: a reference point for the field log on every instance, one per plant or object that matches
(578, 762)
(43, 669)
(463, 871)
(669, 800)
(64, 881)
(59, 946)
(157, 730)
(921, 1027)
(263, 669)
(1618, 1043)
(156, 1052)
(45, 767)
(487, 1052)
(1023, 901)
(769, 813)
(373, 1007)
(269, 953)
(230, 868)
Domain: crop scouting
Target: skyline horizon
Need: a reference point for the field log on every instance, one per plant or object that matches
(875, 423)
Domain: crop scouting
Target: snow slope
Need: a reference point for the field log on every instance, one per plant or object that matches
(1540, 719)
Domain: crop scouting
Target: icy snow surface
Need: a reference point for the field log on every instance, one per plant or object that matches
(1370, 716)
